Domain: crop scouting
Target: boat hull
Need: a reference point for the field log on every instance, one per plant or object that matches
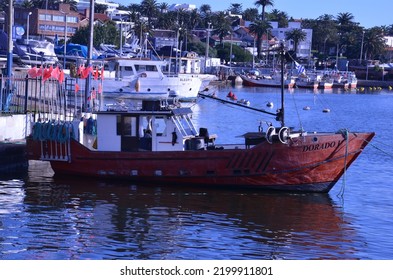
(266, 82)
(310, 163)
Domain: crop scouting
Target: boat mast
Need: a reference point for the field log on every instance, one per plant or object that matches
(280, 113)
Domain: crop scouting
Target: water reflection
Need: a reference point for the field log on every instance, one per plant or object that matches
(73, 218)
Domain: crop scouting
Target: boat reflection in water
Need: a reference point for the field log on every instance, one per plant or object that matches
(87, 219)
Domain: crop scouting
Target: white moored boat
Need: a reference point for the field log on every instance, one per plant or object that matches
(132, 75)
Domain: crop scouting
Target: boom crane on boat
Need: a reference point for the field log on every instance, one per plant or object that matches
(280, 112)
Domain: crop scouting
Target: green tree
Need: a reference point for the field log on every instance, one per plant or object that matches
(222, 25)
(259, 28)
(374, 43)
(27, 4)
(281, 17)
(99, 8)
(149, 9)
(296, 35)
(205, 11)
(163, 7)
(236, 8)
(264, 4)
(250, 14)
(200, 49)
(106, 34)
(73, 4)
(324, 33)
(238, 53)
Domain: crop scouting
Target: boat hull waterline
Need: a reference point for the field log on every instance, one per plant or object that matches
(309, 163)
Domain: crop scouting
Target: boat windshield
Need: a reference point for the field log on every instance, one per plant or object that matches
(184, 125)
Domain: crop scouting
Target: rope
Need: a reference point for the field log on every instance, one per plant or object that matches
(379, 149)
(297, 113)
(346, 136)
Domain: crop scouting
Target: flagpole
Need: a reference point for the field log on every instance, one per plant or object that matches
(90, 52)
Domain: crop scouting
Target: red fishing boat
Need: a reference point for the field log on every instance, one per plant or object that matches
(158, 143)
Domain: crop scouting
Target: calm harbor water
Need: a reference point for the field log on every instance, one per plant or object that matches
(44, 217)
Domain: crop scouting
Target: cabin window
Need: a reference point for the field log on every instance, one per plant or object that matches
(150, 68)
(126, 126)
(145, 124)
(160, 126)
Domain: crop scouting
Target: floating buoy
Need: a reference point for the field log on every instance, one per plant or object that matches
(306, 108)
(326, 110)
(230, 94)
(238, 80)
(269, 104)
(243, 101)
(390, 88)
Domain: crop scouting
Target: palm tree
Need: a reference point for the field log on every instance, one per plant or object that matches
(296, 35)
(163, 7)
(99, 8)
(235, 8)
(205, 9)
(250, 14)
(206, 13)
(374, 43)
(281, 17)
(222, 25)
(344, 19)
(73, 4)
(149, 8)
(259, 28)
(27, 4)
(264, 4)
(133, 12)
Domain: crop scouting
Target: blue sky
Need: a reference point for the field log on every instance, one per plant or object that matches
(367, 13)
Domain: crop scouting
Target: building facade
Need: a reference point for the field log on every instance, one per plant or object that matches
(48, 23)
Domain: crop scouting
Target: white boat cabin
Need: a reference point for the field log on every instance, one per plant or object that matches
(132, 68)
(152, 128)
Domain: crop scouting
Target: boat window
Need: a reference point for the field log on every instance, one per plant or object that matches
(145, 123)
(160, 125)
(150, 68)
(185, 126)
(126, 126)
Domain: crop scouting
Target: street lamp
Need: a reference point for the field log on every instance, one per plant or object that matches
(28, 26)
(361, 48)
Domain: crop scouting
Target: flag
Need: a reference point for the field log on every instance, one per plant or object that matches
(47, 73)
(32, 72)
(39, 71)
(102, 73)
(87, 71)
(96, 74)
(300, 68)
(76, 88)
(61, 76)
(55, 73)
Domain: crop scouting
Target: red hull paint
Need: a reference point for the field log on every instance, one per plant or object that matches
(264, 83)
(312, 163)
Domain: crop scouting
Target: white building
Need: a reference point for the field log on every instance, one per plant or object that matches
(185, 7)
(85, 4)
(304, 47)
